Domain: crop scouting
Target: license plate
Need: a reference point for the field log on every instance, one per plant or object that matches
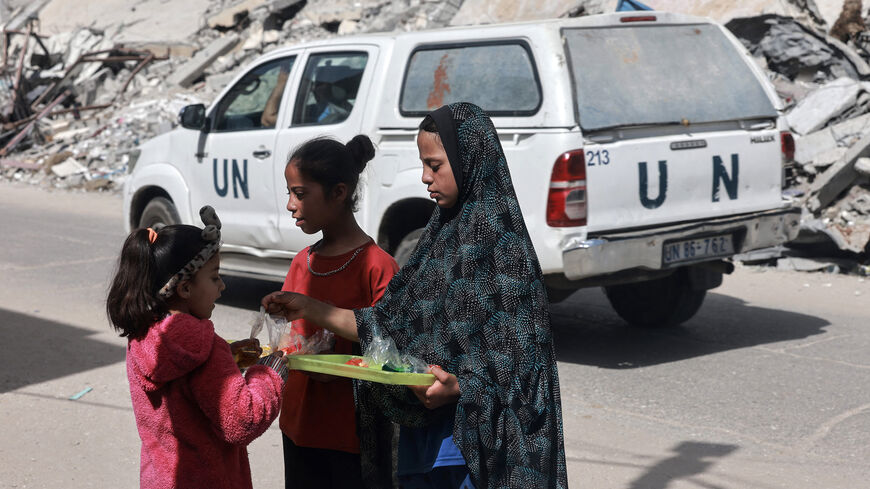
(697, 249)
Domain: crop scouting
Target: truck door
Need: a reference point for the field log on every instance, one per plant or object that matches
(235, 166)
(328, 100)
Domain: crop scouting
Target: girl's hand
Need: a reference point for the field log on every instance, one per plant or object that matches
(288, 304)
(444, 391)
(246, 352)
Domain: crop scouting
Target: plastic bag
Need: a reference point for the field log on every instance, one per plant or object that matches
(276, 330)
(296, 343)
(383, 354)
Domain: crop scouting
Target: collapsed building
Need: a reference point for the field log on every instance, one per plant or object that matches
(82, 83)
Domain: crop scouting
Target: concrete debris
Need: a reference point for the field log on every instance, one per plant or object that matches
(795, 51)
(839, 99)
(187, 73)
(232, 16)
(839, 177)
(87, 81)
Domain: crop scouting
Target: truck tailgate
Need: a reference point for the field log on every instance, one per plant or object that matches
(667, 179)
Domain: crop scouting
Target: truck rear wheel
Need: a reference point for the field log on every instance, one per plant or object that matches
(658, 303)
(159, 212)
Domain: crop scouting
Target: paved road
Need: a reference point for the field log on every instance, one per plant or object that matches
(767, 387)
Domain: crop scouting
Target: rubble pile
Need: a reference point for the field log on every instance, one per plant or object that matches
(824, 80)
(76, 100)
(79, 91)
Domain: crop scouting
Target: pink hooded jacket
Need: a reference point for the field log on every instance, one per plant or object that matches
(194, 410)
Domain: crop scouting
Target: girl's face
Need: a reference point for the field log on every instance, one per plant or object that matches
(201, 291)
(307, 200)
(437, 173)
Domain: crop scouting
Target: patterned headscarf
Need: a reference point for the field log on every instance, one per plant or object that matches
(472, 300)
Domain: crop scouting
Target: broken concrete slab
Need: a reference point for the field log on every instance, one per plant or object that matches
(69, 167)
(796, 51)
(191, 70)
(474, 12)
(232, 15)
(838, 177)
(31, 9)
(142, 20)
(826, 146)
(825, 103)
(862, 166)
(723, 11)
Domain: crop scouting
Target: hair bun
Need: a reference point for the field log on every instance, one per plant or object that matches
(362, 150)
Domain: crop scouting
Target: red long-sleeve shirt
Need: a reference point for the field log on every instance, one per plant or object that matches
(194, 410)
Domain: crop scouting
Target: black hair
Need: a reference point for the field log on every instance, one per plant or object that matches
(133, 304)
(428, 124)
(329, 162)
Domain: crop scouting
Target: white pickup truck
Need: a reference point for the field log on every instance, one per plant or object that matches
(646, 149)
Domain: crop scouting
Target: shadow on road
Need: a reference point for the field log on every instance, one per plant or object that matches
(36, 350)
(690, 459)
(588, 332)
(246, 293)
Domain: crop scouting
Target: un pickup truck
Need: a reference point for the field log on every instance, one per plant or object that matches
(646, 149)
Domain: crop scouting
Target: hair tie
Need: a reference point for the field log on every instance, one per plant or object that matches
(152, 236)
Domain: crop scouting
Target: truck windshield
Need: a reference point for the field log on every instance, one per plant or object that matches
(627, 76)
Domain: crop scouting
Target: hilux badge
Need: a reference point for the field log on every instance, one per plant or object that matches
(761, 139)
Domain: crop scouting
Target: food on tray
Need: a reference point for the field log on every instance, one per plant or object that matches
(396, 367)
(359, 362)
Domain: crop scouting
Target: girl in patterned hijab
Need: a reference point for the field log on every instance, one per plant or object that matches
(471, 299)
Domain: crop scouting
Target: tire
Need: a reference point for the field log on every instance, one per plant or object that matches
(159, 212)
(407, 246)
(660, 303)
(555, 296)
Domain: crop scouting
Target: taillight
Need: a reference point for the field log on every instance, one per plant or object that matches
(787, 141)
(638, 18)
(566, 202)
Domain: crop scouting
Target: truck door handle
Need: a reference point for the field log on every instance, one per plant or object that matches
(262, 154)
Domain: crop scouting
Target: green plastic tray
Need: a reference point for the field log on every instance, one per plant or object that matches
(335, 365)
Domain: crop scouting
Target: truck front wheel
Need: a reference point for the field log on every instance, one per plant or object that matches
(159, 212)
(658, 303)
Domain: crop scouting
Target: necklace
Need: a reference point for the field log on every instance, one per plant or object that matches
(331, 272)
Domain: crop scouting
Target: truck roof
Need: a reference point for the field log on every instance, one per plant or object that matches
(510, 28)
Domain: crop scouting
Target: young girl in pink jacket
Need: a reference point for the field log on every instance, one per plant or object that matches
(195, 411)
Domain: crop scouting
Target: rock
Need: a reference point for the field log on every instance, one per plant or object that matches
(826, 146)
(723, 11)
(231, 16)
(492, 11)
(796, 51)
(191, 70)
(824, 104)
(68, 168)
(862, 166)
(839, 176)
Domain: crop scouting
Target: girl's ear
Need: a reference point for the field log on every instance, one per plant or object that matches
(339, 192)
(182, 290)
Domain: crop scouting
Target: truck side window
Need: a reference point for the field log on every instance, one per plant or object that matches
(253, 102)
(500, 77)
(328, 89)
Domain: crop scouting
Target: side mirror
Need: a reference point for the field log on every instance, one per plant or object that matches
(192, 117)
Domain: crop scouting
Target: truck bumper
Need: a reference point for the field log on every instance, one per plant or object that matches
(611, 253)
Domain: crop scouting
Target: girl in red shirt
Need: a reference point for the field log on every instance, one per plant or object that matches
(347, 269)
